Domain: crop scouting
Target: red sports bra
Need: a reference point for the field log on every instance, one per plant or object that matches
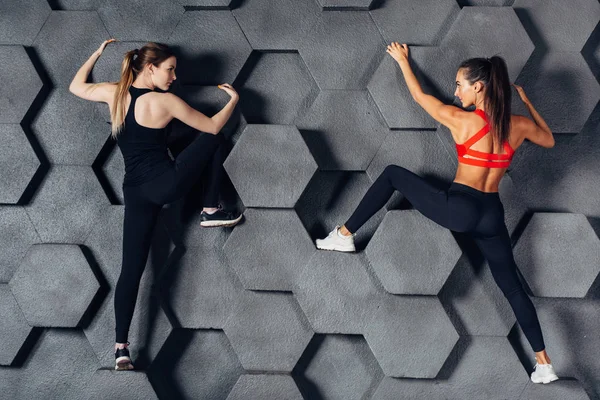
(488, 160)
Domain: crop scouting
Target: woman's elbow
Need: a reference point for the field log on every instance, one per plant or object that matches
(551, 141)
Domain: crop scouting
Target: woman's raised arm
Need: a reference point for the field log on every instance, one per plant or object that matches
(102, 92)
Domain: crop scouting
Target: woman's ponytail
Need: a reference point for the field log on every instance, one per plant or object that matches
(127, 76)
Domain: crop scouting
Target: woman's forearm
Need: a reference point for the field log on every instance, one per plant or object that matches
(82, 75)
(223, 116)
(411, 80)
(537, 118)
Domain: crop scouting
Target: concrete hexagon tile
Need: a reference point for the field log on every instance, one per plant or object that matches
(18, 234)
(330, 199)
(66, 204)
(14, 329)
(268, 331)
(410, 336)
(550, 243)
(18, 90)
(59, 365)
(353, 45)
(54, 285)
(18, 163)
(336, 293)
(421, 23)
(275, 88)
(270, 166)
(553, 100)
(269, 249)
(59, 53)
(338, 367)
(425, 271)
(211, 47)
(24, 19)
(195, 364)
(261, 387)
(556, 25)
(276, 24)
(107, 384)
(343, 129)
(75, 138)
(152, 20)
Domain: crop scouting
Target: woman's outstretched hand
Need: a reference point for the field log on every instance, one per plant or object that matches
(399, 52)
(103, 45)
(230, 91)
(521, 93)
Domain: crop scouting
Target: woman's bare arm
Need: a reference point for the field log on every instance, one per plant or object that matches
(537, 131)
(102, 92)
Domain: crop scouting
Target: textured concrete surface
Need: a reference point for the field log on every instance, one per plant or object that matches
(558, 255)
(54, 285)
(423, 272)
(269, 250)
(270, 166)
(14, 329)
(18, 90)
(231, 313)
(342, 367)
(18, 163)
(259, 387)
(268, 331)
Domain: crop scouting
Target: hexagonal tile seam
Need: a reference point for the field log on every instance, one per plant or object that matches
(41, 28)
(143, 40)
(17, 303)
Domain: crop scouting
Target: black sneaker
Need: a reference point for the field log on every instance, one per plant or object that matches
(219, 218)
(122, 360)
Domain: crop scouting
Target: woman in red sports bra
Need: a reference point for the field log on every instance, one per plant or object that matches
(486, 140)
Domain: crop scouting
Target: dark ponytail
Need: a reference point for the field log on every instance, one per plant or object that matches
(493, 73)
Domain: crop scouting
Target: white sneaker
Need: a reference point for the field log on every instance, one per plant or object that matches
(336, 241)
(543, 373)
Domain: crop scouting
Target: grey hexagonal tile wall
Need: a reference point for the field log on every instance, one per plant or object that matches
(198, 364)
(410, 336)
(268, 331)
(336, 293)
(213, 46)
(402, 271)
(269, 249)
(539, 80)
(263, 281)
(54, 285)
(343, 129)
(420, 23)
(58, 367)
(275, 154)
(107, 384)
(330, 199)
(14, 329)
(152, 20)
(259, 387)
(18, 234)
(277, 89)
(22, 20)
(18, 163)
(342, 367)
(353, 45)
(64, 138)
(18, 90)
(558, 255)
(276, 24)
(557, 25)
(66, 204)
(59, 53)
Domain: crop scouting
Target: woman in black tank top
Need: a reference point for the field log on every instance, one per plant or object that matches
(152, 178)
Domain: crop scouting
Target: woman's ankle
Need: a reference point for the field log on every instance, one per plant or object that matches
(121, 345)
(344, 231)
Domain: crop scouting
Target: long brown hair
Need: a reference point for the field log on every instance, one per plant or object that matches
(493, 73)
(132, 65)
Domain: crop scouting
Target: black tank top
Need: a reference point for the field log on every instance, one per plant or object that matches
(144, 149)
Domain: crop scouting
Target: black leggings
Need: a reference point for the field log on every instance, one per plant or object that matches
(142, 206)
(461, 209)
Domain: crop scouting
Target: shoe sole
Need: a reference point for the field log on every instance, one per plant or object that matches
(336, 248)
(545, 381)
(227, 224)
(123, 364)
